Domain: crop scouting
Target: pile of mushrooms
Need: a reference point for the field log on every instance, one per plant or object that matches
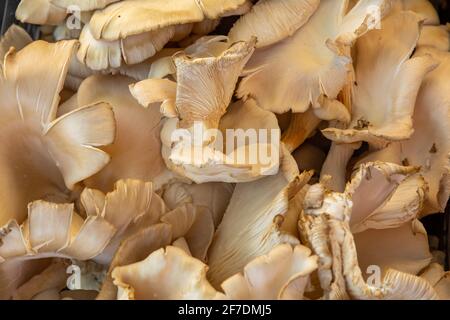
(98, 200)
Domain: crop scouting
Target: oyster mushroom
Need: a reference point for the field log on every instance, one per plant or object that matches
(40, 12)
(272, 21)
(143, 28)
(52, 154)
(428, 146)
(192, 143)
(312, 62)
(257, 219)
(332, 219)
(387, 83)
(136, 150)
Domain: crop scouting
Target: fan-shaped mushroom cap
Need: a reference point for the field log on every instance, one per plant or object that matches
(165, 274)
(136, 150)
(429, 146)
(49, 155)
(387, 83)
(257, 219)
(281, 274)
(311, 63)
(40, 12)
(271, 21)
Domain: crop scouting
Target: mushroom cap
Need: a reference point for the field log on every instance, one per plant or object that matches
(386, 83)
(311, 63)
(271, 21)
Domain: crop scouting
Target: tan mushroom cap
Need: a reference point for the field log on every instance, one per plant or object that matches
(428, 146)
(182, 276)
(271, 21)
(312, 62)
(52, 154)
(386, 83)
(136, 150)
(257, 219)
(281, 274)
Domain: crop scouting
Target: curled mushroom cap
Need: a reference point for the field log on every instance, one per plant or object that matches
(137, 16)
(47, 155)
(272, 21)
(281, 274)
(311, 63)
(257, 219)
(168, 273)
(331, 219)
(55, 230)
(196, 139)
(83, 5)
(428, 147)
(387, 83)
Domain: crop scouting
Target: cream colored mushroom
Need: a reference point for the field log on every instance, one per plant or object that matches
(332, 219)
(428, 147)
(311, 63)
(51, 154)
(386, 83)
(257, 219)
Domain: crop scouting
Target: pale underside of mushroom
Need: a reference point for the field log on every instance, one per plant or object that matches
(386, 83)
(172, 273)
(272, 21)
(196, 137)
(256, 220)
(144, 27)
(312, 63)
